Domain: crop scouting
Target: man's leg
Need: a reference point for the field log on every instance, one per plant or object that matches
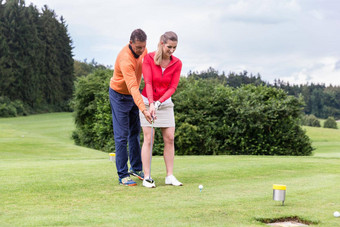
(134, 140)
(120, 120)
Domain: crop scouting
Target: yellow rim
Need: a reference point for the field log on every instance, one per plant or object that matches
(279, 187)
(112, 154)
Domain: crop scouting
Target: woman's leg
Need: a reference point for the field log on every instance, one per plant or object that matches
(146, 150)
(169, 149)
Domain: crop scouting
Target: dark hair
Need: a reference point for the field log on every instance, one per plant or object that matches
(139, 35)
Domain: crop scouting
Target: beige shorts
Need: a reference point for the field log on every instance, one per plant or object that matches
(165, 116)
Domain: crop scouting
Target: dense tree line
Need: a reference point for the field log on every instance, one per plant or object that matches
(84, 68)
(36, 62)
(232, 79)
(320, 100)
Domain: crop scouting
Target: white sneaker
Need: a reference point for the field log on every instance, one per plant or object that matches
(172, 180)
(149, 183)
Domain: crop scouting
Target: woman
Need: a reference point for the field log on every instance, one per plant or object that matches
(161, 72)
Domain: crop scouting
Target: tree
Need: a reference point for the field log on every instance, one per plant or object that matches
(83, 68)
(317, 102)
(66, 62)
(36, 64)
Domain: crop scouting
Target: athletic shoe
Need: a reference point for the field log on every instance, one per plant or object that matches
(138, 174)
(127, 181)
(172, 180)
(149, 183)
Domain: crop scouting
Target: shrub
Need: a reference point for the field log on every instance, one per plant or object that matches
(330, 123)
(310, 120)
(92, 111)
(10, 108)
(7, 110)
(213, 119)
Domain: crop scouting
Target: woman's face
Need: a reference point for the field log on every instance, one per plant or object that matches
(169, 48)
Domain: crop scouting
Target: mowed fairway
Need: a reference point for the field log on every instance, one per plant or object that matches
(46, 180)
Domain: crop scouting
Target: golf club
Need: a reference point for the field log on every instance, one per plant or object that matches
(151, 180)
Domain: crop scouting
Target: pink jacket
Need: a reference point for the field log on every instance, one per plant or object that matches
(159, 86)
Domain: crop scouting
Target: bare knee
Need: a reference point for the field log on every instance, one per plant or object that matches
(169, 139)
(147, 140)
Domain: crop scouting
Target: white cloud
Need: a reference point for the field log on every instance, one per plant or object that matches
(278, 39)
(321, 70)
(317, 14)
(260, 11)
(337, 65)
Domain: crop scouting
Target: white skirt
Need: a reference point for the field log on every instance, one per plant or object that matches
(165, 116)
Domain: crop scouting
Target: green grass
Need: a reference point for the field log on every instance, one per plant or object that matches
(46, 180)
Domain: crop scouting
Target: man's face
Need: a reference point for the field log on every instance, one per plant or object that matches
(138, 47)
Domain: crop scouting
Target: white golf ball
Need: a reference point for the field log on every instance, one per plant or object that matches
(336, 214)
(200, 187)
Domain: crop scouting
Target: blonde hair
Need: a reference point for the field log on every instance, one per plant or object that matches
(164, 38)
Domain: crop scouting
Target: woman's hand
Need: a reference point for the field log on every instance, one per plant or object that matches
(157, 105)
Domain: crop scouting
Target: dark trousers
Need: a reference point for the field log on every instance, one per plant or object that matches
(126, 130)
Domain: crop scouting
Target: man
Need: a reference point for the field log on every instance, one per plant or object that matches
(126, 100)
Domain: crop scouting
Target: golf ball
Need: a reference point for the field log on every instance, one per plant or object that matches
(336, 214)
(200, 187)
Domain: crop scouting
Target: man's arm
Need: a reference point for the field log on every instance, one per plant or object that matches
(129, 75)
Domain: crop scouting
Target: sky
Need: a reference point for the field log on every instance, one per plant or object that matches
(297, 41)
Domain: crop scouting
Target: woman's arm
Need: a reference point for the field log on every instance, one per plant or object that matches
(147, 74)
(174, 83)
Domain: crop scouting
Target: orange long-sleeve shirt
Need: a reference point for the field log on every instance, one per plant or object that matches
(127, 75)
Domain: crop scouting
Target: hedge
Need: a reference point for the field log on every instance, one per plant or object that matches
(211, 119)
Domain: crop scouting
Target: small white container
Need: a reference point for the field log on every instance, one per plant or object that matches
(112, 157)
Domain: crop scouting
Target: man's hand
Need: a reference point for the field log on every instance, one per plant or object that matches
(147, 116)
(152, 111)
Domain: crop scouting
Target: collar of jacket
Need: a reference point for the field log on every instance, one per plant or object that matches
(134, 54)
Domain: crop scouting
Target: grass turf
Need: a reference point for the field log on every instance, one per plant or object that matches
(46, 180)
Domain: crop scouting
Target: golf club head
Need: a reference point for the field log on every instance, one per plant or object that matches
(150, 180)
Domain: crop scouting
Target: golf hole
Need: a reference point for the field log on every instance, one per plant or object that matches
(286, 221)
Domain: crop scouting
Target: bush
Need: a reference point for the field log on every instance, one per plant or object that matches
(213, 119)
(310, 120)
(93, 112)
(7, 110)
(330, 123)
(10, 108)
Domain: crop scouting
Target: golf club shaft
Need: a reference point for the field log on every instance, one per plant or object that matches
(151, 147)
